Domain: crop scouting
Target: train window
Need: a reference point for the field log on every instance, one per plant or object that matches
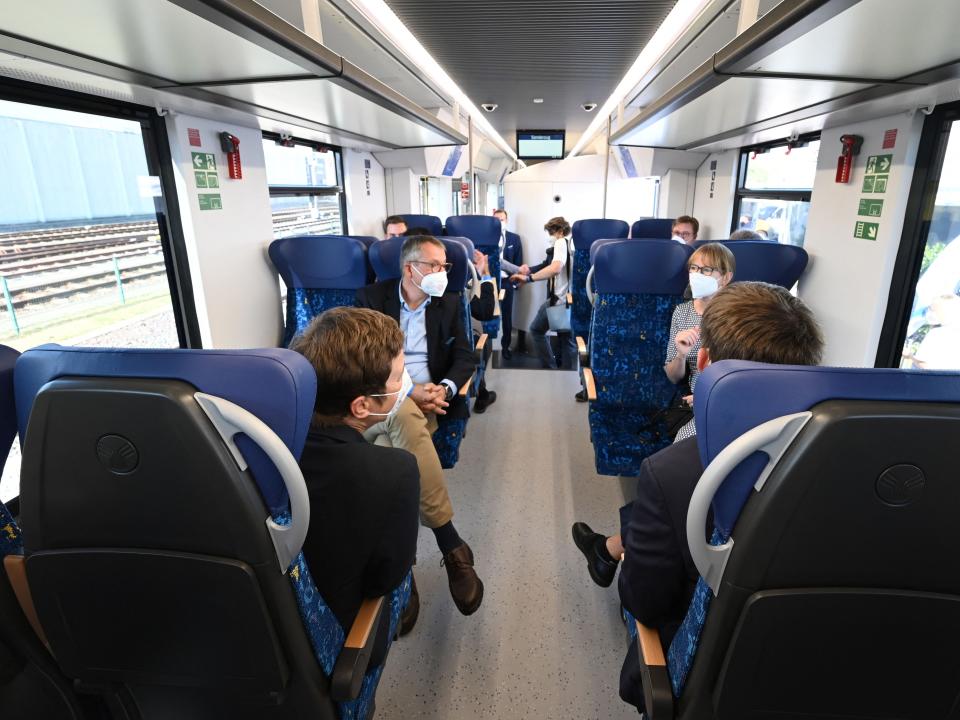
(85, 252)
(306, 187)
(933, 327)
(773, 192)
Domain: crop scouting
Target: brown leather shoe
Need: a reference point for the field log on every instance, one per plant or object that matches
(465, 587)
(408, 618)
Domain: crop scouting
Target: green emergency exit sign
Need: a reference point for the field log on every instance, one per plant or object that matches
(866, 230)
(870, 208)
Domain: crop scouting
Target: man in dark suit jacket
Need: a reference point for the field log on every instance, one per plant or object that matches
(440, 361)
(511, 261)
(745, 321)
(362, 538)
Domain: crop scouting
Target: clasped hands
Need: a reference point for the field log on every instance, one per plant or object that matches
(430, 398)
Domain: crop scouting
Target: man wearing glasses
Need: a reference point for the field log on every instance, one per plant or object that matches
(439, 360)
(685, 229)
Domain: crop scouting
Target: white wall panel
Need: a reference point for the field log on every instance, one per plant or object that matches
(366, 195)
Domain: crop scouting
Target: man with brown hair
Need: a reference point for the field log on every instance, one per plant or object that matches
(439, 360)
(394, 226)
(686, 228)
(364, 499)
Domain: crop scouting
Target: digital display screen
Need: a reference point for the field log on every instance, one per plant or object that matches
(540, 144)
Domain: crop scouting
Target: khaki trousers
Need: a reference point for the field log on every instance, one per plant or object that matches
(410, 430)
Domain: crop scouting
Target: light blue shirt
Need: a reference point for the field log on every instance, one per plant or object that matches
(413, 323)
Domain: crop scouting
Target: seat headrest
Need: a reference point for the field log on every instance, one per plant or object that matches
(276, 385)
(734, 396)
(320, 261)
(585, 232)
(8, 410)
(429, 222)
(483, 230)
(656, 267)
(385, 259)
(597, 244)
(365, 239)
(766, 261)
(659, 228)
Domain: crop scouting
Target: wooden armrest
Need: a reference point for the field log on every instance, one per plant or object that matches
(352, 662)
(657, 692)
(581, 345)
(569, 298)
(481, 341)
(465, 388)
(16, 569)
(589, 384)
(503, 294)
(496, 310)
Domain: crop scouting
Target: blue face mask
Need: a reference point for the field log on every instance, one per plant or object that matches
(703, 285)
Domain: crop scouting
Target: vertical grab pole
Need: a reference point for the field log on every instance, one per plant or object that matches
(606, 170)
(472, 204)
(10, 308)
(116, 272)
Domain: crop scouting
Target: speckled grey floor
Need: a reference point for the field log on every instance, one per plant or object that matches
(547, 642)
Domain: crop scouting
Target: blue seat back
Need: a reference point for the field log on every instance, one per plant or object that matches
(484, 232)
(637, 286)
(429, 222)
(734, 397)
(385, 259)
(320, 272)
(654, 228)
(585, 233)
(766, 261)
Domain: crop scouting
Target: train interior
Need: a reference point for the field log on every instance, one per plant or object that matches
(152, 154)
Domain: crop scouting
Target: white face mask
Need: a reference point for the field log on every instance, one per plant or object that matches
(679, 239)
(434, 284)
(703, 285)
(406, 385)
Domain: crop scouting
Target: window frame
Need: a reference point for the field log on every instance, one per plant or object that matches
(918, 215)
(315, 190)
(743, 193)
(156, 148)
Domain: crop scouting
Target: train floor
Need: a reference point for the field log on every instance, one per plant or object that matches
(547, 642)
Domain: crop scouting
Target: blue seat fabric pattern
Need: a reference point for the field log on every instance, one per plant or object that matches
(447, 439)
(484, 232)
(304, 304)
(585, 233)
(628, 337)
(734, 396)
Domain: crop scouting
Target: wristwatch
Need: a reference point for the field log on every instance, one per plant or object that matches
(530, 278)
(450, 393)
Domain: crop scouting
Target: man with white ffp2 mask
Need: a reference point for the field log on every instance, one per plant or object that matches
(439, 360)
(711, 267)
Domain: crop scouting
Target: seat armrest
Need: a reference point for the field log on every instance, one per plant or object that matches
(16, 569)
(657, 692)
(481, 342)
(465, 388)
(569, 298)
(583, 352)
(503, 294)
(352, 662)
(588, 383)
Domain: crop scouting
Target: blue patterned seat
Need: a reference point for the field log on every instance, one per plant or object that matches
(232, 526)
(320, 272)
(484, 232)
(637, 287)
(585, 233)
(652, 228)
(766, 261)
(835, 484)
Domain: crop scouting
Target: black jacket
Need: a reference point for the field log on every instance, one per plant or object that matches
(513, 248)
(449, 354)
(483, 306)
(658, 576)
(364, 517)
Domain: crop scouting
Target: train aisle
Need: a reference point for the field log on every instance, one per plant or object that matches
(547, 642)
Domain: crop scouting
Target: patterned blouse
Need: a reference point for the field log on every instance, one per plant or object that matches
(684, 318)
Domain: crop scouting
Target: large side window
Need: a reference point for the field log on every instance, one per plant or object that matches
(306, 187)
(774, 187)
(922, 327)
(87, 250)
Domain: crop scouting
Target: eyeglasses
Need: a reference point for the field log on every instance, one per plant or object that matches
(702, 269)
(686, 234)
(435, 266)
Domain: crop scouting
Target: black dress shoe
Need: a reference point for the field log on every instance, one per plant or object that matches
(506, 353)
(465, 587)
(483, 402)
(581, 396)
(408, 618)
(601, 570)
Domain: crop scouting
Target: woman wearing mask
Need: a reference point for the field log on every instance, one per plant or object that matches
(711, 268)
(555, 270)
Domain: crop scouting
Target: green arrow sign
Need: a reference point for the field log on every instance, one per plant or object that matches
(879, 164)
(866, 230)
